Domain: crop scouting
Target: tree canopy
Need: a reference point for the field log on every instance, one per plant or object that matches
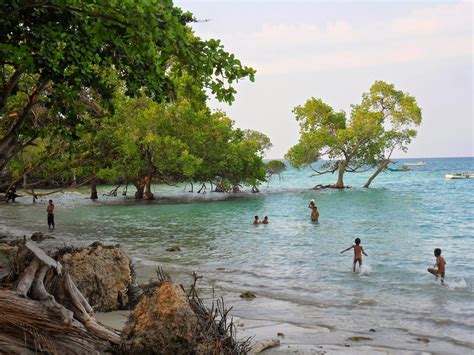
(56, 54)
(382, 122)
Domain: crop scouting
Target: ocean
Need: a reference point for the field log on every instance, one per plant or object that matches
(293, 265)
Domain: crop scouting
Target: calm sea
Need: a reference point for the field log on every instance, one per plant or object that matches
(294, 266)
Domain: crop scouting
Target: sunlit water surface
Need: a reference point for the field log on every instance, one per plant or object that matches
(296, 263)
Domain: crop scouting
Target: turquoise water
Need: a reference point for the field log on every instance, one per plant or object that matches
(294, 265)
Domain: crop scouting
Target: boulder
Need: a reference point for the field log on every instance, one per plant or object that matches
(102, 274)
(162, 323)
(37, 237)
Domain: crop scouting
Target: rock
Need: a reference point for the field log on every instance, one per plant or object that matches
(359, 338)
(38, 237)
(248, 295)
(423, 340)
(163, 322)
(174, 248)
(280, 334)
(102, 274)
(372, 330)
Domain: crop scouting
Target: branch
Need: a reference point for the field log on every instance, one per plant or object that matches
(9, 86)
(332, 170)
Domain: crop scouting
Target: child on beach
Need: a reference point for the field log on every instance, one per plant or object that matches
(314, 211)
(256, 220)
(358, 251)
(440, 266)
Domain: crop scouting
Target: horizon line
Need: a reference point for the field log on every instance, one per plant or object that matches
(445, 157)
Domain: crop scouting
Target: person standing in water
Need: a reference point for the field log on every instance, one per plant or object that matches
(256, 220)
(265, 220)
(50, 210)
(440, 266)
(358, 251)
(314, 211)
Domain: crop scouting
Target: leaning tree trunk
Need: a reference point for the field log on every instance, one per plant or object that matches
(94, 191)
(140, 186)
(340, 175)
(148, 193)
(381, 168)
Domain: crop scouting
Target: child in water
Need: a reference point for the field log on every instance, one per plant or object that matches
(314, 211)
(256, 221)
(265, 220)
(358, 251)
(440, 265)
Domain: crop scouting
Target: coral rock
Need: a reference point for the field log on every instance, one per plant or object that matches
(102, 274)
(162, 323)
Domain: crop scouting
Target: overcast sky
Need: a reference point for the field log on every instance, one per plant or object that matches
(336, 50)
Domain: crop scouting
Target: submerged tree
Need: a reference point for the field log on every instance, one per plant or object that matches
(326, 133)
(383, 122)
(400, 115)
(274, 167)
(50, 51)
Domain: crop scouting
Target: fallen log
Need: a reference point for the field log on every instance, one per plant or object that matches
(46, 312)
(29, 326)
(264, 345)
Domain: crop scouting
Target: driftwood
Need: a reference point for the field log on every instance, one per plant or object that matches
(43, 311)
(29, 327)
(263, 345)
(47, 312)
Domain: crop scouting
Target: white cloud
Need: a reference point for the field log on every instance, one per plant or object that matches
(435, 20)
(430, 33)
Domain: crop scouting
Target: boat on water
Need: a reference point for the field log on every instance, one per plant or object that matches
(403, 168)
(419, 163)
(460, 176)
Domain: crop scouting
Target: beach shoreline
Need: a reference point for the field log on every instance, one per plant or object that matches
(293, 338)
(265, 316)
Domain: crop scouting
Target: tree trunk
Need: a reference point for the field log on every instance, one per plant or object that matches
(381, 168)
(9, 142)
(340, 175)
(47, 313)
(140, 186)
(148, 193)
(93, 191)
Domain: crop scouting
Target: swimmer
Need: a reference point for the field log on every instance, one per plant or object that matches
(314, 211)
(440, 266)
(358, 251)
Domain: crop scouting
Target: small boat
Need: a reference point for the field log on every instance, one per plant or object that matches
(403, 168)
(420, 163)
(460, 176)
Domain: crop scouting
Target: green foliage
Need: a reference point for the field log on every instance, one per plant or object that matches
(399, 113)
(385, 120)
(275, 167)
(52, 51)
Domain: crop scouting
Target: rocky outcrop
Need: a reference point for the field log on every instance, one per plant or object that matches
(162, 320)
(102, 274)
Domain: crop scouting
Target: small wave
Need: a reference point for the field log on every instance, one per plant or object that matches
(458, 285)
(365, 270)
(364, 302)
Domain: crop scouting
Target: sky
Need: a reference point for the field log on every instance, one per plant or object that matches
(335, 50)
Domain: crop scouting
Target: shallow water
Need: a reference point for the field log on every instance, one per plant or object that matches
(294, 262)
